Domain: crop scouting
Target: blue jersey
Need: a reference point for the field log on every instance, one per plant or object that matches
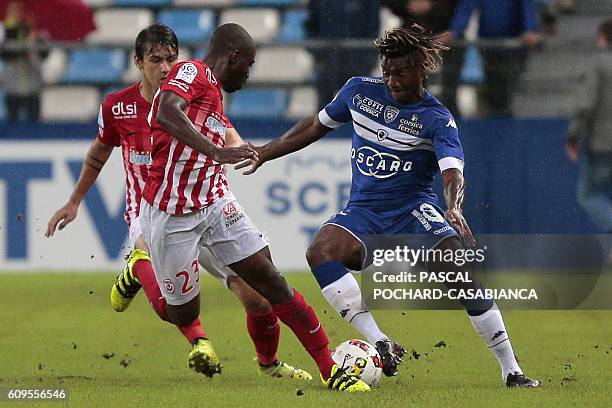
(396, 149)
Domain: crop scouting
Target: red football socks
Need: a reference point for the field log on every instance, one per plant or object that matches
(265, 333)
(302, 320)
(146, 276)
(193, 332)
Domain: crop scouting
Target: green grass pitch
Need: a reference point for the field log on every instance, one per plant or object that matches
(57, 327)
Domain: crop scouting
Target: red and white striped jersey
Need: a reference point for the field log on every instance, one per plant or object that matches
(181, 180)
(122, 121)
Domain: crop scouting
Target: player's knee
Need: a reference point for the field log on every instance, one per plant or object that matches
(256, 305)
(318, 253)
(141, 244)
(253, 302)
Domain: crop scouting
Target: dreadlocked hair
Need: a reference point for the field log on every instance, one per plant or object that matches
(413, 42)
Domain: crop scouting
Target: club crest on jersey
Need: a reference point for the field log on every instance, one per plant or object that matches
(187, 72)
(381, 165)
(381, 134)
(430, 213)
(390, 113)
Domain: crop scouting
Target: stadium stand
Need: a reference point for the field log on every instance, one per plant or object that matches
(54, 66)
(268, 3)
(93, 66)
(2, 107)
(472, 71)
(262, 23)
(209, 3)
(192, 27)
(69, 104)
(292, 29)
(143, 3)
(98, 3)
(302, 102)
(119, 26)
(290, 65)
(284, 63)
(258, 103)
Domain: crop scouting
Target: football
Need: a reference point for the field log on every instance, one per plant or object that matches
(359, 358)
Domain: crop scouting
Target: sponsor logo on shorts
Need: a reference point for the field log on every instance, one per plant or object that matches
(421, 219)
(232, 213)
(169, 286)
(430, 213)
(229, 209)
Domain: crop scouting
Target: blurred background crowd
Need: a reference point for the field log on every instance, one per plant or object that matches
(508, 58)
(543, 67)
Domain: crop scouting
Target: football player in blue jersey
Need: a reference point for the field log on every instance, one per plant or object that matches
(402, 136)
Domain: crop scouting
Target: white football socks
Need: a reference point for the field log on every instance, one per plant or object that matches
(491, 328)
(345, 296)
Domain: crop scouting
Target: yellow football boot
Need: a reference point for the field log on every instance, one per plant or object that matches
(203, 359)
(126, 285)
(341, 381)
(280, 369)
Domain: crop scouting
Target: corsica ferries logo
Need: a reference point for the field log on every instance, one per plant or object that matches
(372, 163)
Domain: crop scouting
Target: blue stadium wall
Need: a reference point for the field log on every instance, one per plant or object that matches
(519, 182)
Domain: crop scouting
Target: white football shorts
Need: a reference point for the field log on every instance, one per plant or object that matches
(175, 243)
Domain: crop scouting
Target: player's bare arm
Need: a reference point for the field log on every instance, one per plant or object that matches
(96, 157)
(454, 193)
(233, 138)
(302, 134)
(171, 116)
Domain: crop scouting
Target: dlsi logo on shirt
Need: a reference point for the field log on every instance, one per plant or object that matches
(123, 111)
(372, 163)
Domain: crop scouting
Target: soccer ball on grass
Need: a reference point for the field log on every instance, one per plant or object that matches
(359, 358)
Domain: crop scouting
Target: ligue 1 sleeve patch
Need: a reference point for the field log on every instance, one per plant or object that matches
(187, 73)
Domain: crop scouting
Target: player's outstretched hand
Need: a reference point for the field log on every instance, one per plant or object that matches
(63, 217)
(232, 155)
(253, 163)
(457, 220)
